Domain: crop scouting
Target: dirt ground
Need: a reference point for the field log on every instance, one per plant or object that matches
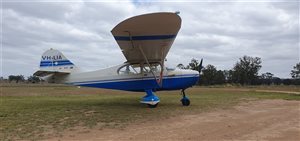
(255, 120)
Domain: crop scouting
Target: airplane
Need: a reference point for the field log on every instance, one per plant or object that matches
(145, 41)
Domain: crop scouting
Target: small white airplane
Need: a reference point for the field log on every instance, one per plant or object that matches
(145, 41)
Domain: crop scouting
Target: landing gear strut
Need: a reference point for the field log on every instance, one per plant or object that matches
(185, 100)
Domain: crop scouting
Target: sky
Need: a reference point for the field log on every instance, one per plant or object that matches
(220, 32)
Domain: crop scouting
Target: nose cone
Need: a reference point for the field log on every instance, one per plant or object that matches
(194, 72)
(190, 72)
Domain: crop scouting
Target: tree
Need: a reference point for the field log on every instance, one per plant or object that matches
(276, 80)
(194, 64)
(33, 79)
(220, 77)
(20, 78)
(287, 81)
(246, 70)
(228, 74)
(267, 78)
(16, 78)
(211, 76)
(295, 73)
(12, 78)
(268, 75)
(181, 66)
(208, 75)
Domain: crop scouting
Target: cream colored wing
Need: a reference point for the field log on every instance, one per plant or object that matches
(149, 34)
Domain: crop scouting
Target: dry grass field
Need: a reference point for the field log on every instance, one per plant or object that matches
(39, 112)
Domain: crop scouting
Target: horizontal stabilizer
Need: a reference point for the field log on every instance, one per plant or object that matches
(42, 73)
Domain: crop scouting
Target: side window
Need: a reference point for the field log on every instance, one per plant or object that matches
(129, 69)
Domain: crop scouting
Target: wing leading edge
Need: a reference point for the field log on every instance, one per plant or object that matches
(149, 35)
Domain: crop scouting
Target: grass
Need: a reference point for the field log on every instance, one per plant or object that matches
(33, 113)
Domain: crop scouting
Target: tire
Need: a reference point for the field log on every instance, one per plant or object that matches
(152, 106)
(185, 102)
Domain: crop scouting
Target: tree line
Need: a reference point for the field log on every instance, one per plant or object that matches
(22, 79)
(244, 72)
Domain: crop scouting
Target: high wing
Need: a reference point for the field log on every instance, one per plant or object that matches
(148, 36)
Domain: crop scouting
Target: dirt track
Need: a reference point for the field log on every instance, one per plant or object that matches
(256, 120)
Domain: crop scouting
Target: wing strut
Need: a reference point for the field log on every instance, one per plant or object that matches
(162, 69)
(145, 57)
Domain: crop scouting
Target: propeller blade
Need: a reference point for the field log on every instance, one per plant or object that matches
(200, 66)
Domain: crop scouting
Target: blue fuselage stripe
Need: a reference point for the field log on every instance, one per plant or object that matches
(140, 85)
(130, 79)
(150, 37)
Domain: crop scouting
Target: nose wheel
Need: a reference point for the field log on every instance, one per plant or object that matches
(185, 100)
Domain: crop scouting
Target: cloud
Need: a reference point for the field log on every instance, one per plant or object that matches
(219, 32)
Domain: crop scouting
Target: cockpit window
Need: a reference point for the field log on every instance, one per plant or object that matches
(129, 69)
(139, 69)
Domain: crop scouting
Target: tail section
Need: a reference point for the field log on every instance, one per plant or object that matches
(54, 65)
(54, 60)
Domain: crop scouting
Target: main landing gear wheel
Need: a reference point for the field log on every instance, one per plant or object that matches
(185, 100)
(150, 99)
(152, 106)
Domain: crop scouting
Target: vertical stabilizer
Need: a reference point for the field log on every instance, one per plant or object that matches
(53, 61)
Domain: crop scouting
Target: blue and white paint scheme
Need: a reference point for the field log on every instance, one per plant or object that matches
(145, 41)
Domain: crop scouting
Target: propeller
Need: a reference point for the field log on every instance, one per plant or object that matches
(200, 66)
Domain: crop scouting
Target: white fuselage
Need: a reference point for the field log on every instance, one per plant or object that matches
(122, 78)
